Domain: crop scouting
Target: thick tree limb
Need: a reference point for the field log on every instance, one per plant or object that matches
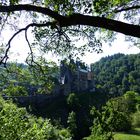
(118, 26)
(78, 19)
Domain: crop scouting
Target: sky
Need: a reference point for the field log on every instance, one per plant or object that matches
(20, 49)
(118, 46)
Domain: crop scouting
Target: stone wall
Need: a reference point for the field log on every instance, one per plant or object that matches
(38, 100)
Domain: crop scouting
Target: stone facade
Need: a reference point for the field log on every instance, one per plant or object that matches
(75, 79)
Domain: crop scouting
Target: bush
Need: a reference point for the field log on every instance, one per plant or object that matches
(100, 129)
(13, 90)
(119, 121)
(136, 119)
(15, 123)
(72, 123)
(109, 119)
(118, 114)
(130, 97)
(73, 101)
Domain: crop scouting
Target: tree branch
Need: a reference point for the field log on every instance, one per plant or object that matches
(128, 8)
(79, 19)
(5, 57)
(27, 7)
(113, 25)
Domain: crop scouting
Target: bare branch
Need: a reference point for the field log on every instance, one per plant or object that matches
(128, 8)
(5, 57)
(31, 51)
(4, 22)
(32, 57)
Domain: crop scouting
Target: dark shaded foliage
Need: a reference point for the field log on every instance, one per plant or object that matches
(117, 74)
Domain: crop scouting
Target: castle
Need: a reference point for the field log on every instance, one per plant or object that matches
(75, 77)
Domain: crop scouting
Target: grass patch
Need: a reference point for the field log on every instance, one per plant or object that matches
(132, 135)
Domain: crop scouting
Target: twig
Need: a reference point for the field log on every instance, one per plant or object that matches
(3, 23)
(136, 7)
(5, 57)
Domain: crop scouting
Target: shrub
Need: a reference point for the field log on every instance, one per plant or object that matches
(117, 111)
(100, 129)
(15, 123)
(136, 119)
(130, 97)
(72, 123)
(13, 90)
(111, 118)
(73, 101)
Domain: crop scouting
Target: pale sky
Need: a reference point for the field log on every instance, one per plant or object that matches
(20, 49)
(118, 46)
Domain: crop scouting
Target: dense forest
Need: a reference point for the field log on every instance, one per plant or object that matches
(114, 106)
(117, 74)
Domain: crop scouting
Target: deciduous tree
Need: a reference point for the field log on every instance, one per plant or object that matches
(58, 24)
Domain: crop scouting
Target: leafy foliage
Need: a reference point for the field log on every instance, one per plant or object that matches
(55, 27)
(131, 98)
(15, 123)
(136, 119)
(73, 101)
(119, 118)
(72, 123)
(19, 79)
(114, 116)
(117, 74)
(13, 90)
(100, 129)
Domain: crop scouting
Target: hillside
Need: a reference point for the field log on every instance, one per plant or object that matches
(117, 74)
(80, 113)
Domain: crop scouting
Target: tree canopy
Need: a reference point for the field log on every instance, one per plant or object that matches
(58, 24)
(117, 74)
